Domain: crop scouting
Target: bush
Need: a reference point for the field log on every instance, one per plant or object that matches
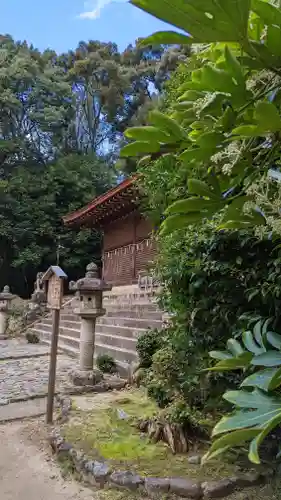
(147, 345)
(32, 338)
(106, 363)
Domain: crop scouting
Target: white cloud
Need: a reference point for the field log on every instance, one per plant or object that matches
(92, 9)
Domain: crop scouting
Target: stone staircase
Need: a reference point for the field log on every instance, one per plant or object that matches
(129, 313)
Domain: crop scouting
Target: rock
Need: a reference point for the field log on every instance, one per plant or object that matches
(86, 378)
(116, 384)
(122, 415)
(218, 489)
(156, 484)
(139, 376)
(194, 460)
(63, 449)
(248, 479)
(185, 488)
(101, 472)
(126, 479)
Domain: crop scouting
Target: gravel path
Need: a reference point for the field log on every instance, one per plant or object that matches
(24, 371)
(25, 474)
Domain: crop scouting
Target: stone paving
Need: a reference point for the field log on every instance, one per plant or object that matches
(24, 371)
(20, 349)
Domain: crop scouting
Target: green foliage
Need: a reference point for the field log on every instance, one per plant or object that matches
(257, 404)
(31, 226)
(223, 105)
(106, 363)
(147, 345)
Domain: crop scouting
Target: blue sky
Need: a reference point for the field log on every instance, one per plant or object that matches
(61, 24)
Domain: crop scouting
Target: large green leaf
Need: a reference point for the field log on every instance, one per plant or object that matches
(139, 147)
(220, 355)
(257, 441)
(267, 117)
(232, 439)
(250, 343)
(234, 209)
(166, 37)
(263, 379)
(175, 222)
(234, 347)
(255, 399)
(167, 124)
(205, 20)
(245, 419)
(247, 131)
(210, 140)
(192, 205)
(269, 358)
(147, 134)
(201, 189)
(198, 155)
(234, 67)
(268, 12)
(273, 39)
(274, 339)
(237, 363)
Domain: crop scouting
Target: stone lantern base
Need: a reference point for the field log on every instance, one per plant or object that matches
(81, 378)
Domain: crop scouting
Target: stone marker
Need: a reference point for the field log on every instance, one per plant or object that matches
(89, 291)
(5, 301)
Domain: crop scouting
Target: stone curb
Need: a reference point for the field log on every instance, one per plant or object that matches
(101, 474)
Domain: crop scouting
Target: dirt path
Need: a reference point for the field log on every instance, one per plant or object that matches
(25, 473)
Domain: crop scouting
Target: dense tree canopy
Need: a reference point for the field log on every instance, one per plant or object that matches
(62, 118)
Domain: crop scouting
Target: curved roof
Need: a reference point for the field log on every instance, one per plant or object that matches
(117, 202)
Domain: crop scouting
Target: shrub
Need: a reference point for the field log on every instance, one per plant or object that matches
(106, 363)
(147, 345)
(32, 338)
(257, 404)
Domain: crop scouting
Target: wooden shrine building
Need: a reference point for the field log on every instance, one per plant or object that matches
(127, 245)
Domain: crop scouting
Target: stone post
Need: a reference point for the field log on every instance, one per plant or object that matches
(89, 291)
(5, 300)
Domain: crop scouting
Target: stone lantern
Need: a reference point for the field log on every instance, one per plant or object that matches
(89, 291)
(5, 302)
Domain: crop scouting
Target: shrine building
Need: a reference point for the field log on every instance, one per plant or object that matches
(128, 247)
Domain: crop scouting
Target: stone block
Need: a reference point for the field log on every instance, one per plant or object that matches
(185, 488)
(126, 479)
(194, 460)
(86, 378)
(248, 479)
(219, 489)
(156, 485)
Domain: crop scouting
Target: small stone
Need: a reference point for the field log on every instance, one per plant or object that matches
(126, 479)
(86, 378)
(248, 479)
(101, 472)
(4, 401)
(194, 460)
(156, 484)
(116, 385)
(185, 488)
(218, 489)
(63, 449)
(122, 415)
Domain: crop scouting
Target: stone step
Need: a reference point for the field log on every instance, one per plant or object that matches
(110, 330)
(71, 344)
(134, 313)
(142, 323)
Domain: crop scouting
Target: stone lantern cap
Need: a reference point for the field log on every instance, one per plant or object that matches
(92, 282)
(6, 294)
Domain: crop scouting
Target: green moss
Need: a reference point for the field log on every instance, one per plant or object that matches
(101, 433)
